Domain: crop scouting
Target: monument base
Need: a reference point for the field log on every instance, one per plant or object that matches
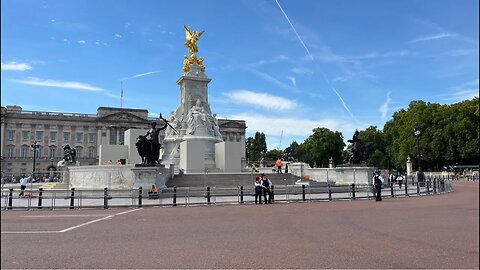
(148, 175)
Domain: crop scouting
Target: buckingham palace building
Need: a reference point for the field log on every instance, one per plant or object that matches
(20, 129)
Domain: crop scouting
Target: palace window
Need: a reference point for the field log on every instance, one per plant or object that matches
(39, 136)
(66, 136)
(25, 135)
(91, 153)
(79, 152)
(39, 152)
(91, 137)
(52, 152)
(24, 152)
(11, 151)
(113, 135)
(53, 136)
(79, 137)
(11, 135)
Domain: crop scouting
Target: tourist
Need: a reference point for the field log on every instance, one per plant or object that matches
(266, 183)
(119, 162)
(400, 180)
(23, 185)
(258, 190)
(110, 162)
(279, 165)
(153, 193)
(378, 181)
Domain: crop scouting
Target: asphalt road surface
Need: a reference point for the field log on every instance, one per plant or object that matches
(440, 231)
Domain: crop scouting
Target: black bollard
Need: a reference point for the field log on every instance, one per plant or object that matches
(406, 189)
(329, 192)
(174, 196)
(10, 199)
(241, 194)
(208, 195)
(140, 196)
(303, 193)
(418, 188)
(72, 199)
(435, 185)
(105, 198)
(40, 194)
(427, 185)
(273, 193)
(353, 191)
(391, 190)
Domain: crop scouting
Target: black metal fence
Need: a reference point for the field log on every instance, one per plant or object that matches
(183, 196)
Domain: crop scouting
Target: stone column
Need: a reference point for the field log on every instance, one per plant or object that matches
(409, 166)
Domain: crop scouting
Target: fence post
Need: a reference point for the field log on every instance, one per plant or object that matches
(329, 192)
(72, 198)
(418, 188)
(241, 194)
(406, 189)
(303, 192)
(10, 198)
(435, 185)
(391, 189)
(140, 191)
(413, 181)
(353, 191)
(208, 195)
(105, 198)
(174, 196)
(273, 193)
(40, 194)
(427, 185)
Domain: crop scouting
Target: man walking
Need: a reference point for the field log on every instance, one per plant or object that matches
(23, 185)
(279, 165)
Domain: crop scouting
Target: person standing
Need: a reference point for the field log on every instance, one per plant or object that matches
(258, 190)
(400, 180)
(378, 181)
(266, 183)
(23, 186)
(279, 165)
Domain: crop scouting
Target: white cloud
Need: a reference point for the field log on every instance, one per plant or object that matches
(464, 91)
(117, 36)
(434, 37)
(65, 40)
(292, 79)
(81, 41)
(140, 75)
(306, 71)
(385, 106)
(271, 79)
(264, 100)
(60, 84)
(15, 66)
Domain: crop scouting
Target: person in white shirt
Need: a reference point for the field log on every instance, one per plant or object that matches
(400, 180)
(258, 190)
(23, 185)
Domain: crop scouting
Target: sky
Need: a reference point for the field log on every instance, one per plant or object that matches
(284, 66)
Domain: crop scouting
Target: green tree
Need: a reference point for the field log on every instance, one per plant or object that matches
(375, 139)
(322, 145)
(255, 147)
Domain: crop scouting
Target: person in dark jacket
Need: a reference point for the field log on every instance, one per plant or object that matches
(378, 181)
(267, 184)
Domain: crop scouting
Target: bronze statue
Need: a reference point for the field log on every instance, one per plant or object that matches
(148, 145)
(357, 152)
(69, 154)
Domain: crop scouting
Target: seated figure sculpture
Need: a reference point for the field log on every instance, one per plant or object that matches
(196, 117)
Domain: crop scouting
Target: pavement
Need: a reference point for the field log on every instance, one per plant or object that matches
(418, 232)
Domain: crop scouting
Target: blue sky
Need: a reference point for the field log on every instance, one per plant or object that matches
(284, 66)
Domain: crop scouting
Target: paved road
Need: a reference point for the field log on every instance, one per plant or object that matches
(419, 232)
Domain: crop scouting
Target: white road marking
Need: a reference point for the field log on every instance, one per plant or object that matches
(71, 228)
(62, 216)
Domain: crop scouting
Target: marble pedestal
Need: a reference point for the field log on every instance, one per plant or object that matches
(146, 176)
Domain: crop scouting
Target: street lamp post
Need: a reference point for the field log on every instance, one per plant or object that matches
(416, 133)
(35, 147)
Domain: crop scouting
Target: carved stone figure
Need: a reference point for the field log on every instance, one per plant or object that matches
(153, 142)
(197, 116)
(191, 43)
(171, 128)
(215, 127)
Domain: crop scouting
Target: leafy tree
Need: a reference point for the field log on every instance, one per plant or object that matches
(322, 145)
(255, 147)
(375, 138)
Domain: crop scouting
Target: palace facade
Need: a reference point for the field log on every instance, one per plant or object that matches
(84, 132)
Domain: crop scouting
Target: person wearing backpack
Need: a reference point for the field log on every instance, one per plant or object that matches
(266, 183)
(378, 181)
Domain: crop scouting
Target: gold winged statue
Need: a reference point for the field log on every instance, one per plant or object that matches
(191, 43)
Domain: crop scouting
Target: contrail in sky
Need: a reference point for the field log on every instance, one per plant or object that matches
(313, 60)
(140, 75)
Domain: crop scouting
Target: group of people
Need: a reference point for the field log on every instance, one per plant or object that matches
(263, 187)
(399, 179)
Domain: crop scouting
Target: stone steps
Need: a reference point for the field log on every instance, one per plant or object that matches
(227, 179)
(55, 185)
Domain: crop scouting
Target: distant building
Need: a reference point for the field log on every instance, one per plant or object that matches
(84, 132)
